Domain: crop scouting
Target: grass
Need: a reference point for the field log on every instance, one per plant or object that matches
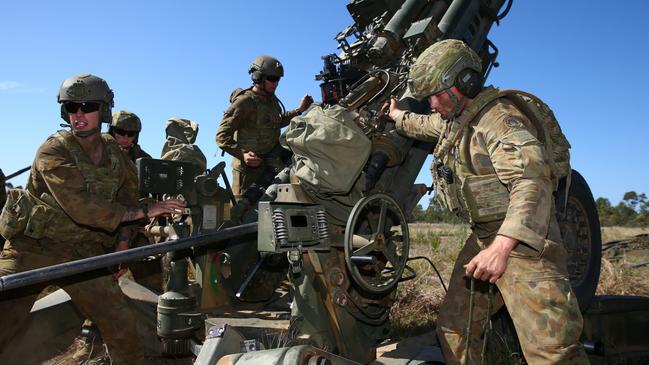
(418, 300)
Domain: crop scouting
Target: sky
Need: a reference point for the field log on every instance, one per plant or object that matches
(588, 60)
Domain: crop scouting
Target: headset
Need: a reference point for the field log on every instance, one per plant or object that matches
(469, 82)
(256, 75)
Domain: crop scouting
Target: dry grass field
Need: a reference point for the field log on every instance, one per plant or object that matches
(419, 299)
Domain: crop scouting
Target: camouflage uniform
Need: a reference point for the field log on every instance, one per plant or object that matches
(83, 204)
(129, 122)
(3, 197)
(487, 152)
(135, 152)
(251, 123)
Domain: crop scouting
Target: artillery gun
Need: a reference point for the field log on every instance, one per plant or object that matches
(344, 267)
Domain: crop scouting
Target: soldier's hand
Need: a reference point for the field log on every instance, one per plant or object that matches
(394, 108)
(306, 101)
(166, 207)
(490, 263)
(251, 159)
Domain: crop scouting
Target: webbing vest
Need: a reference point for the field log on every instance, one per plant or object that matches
(38, 217)
(483, 198)
(259, 135)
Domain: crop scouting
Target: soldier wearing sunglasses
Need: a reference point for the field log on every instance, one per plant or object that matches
(251, 126)
(125, 128)
(80, 191)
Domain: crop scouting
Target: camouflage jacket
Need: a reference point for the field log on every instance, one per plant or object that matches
(94, 197)
(135, 152)
(500, 142)
(3, 189)
(251, 123)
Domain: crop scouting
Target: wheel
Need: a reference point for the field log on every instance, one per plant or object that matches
(582, 238)
(376, 243)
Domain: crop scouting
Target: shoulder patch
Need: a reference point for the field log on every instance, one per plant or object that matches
(519, 137)
(513, 122)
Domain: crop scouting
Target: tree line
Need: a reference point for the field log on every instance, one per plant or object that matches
(631, 211)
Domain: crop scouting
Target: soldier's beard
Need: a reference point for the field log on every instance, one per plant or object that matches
(86, 134)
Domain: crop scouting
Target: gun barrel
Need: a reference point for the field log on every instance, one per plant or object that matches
(44, 274)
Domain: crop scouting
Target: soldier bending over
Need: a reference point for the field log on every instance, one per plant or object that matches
(515, 241)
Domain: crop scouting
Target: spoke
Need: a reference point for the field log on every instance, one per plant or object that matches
(366, 249)
(382, 216)
(391, 254)
(360, 240)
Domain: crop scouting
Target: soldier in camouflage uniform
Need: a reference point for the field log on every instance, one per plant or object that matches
(3, 197)
(491, 170)
(125, 128)
(79, 192)
(251, 125)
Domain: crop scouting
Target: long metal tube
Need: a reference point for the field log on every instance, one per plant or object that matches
(58, 271)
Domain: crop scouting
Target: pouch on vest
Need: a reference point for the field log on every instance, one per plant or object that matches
(487, 199)
(15, 213)
(37, 223)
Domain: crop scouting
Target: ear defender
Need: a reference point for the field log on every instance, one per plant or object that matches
(469, 82)
(256, 76)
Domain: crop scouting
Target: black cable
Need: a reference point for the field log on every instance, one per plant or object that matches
(434, 268)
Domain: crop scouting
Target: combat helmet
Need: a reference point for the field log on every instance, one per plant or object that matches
(445, 64)
(86, 88)
(264, 66)
(126, 121)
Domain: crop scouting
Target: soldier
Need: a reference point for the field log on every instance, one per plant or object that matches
(125, 128)
(515, 241)
(3, 197)
(251, 125)
(78, 193)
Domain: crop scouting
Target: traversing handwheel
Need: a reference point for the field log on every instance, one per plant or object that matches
(376, 243)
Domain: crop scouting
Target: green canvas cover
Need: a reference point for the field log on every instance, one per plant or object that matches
(329, 149)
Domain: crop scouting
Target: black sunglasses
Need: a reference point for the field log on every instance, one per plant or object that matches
(272, 78)
(89, 107)
(122, 132)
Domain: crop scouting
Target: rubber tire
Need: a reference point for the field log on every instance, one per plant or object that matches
(580, 192)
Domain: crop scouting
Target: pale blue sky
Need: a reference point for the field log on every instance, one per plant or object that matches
(587, 59)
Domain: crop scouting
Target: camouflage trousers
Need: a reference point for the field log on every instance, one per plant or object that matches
(243, 176)
(99, 298)
(538, 297)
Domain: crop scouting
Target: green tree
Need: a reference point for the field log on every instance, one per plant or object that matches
(435, 213)
(632, 211)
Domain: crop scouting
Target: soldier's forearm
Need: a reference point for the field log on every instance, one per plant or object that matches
(132, 214)
(529, 212)
(418, 126)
